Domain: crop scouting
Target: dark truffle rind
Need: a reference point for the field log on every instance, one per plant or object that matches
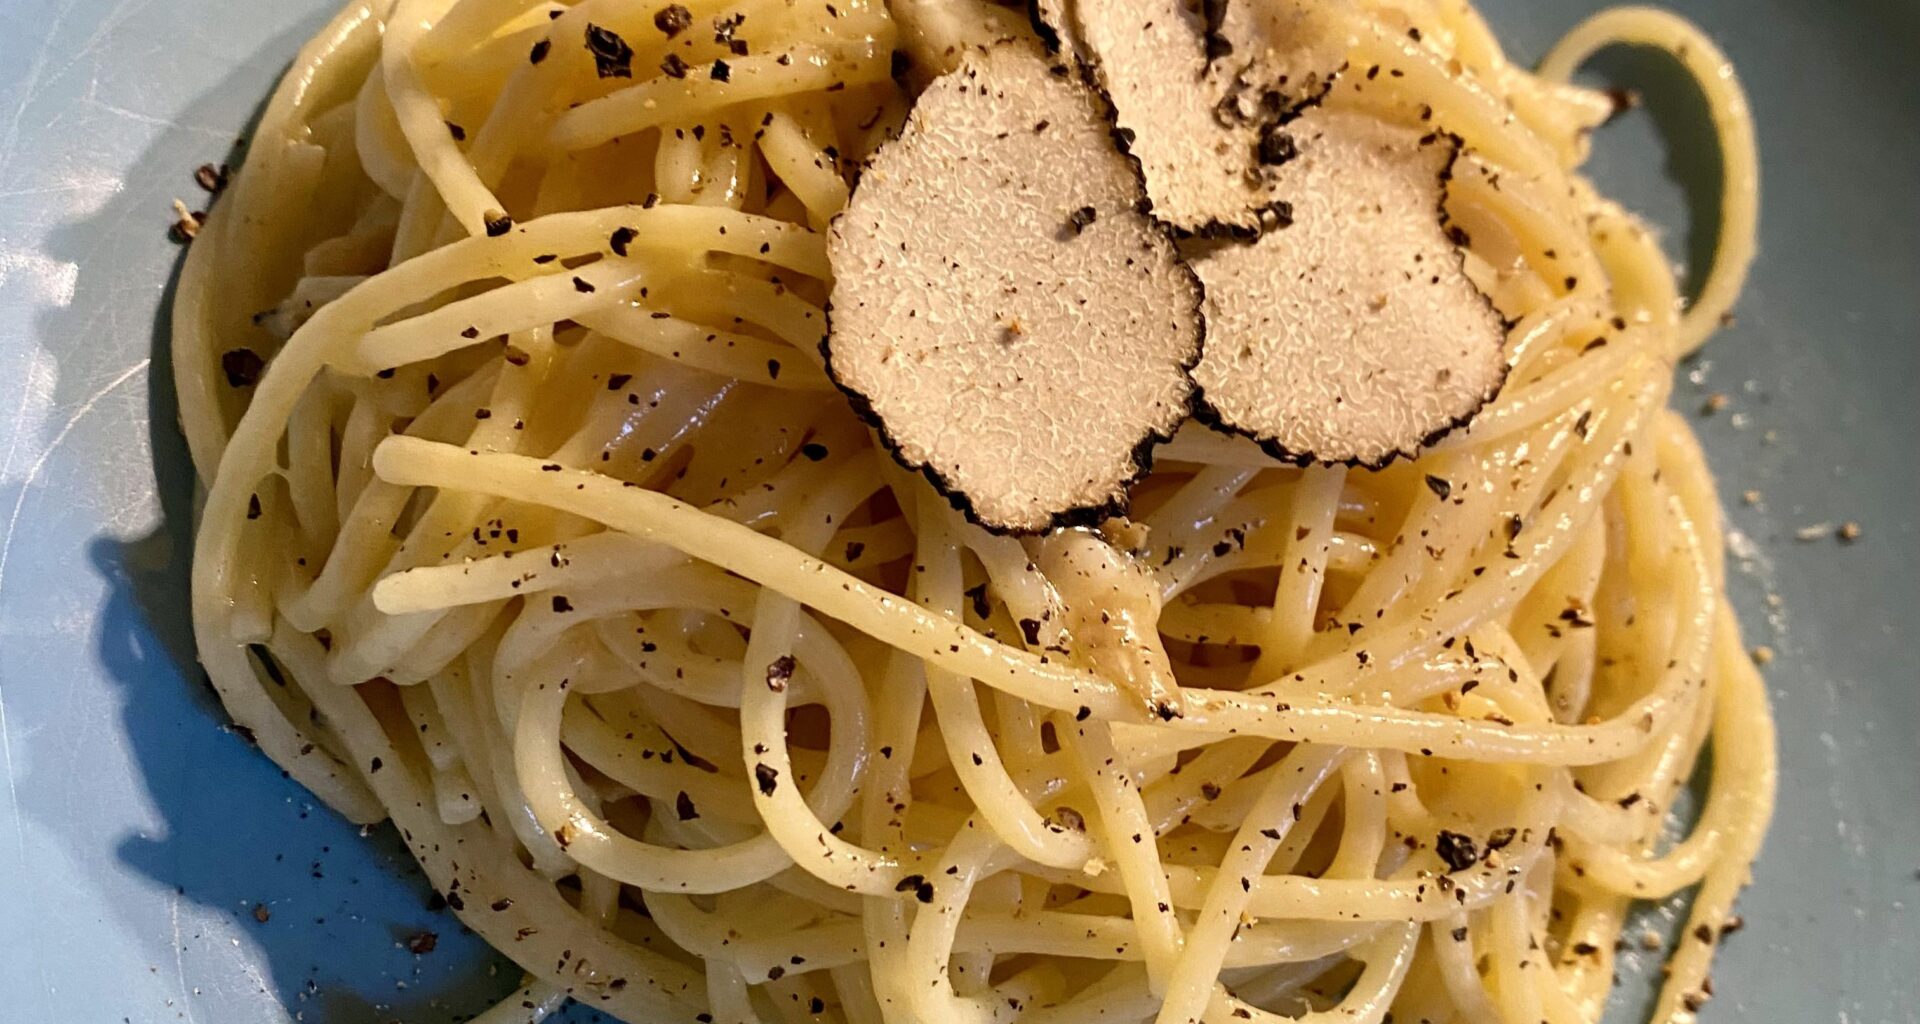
(1204, 413)
(1048, 33)
(1225, 111)
(1079, 515)
(1208, 411)
(1167, 361)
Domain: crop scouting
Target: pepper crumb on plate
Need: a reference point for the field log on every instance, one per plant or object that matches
(186, 223)
(212, 179)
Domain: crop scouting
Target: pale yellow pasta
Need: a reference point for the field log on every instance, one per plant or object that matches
(546, 535)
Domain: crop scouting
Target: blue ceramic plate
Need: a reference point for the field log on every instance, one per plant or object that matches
(155, 868)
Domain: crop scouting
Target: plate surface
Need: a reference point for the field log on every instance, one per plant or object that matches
(140, 843)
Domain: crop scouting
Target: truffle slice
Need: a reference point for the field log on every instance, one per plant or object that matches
(1051, 22)
(1197, 94)
(1354, 335)
(1001, 309)
(1292, 48)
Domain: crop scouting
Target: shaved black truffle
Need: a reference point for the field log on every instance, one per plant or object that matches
(1052, 22)
(1027, 370)
(1354, 335)
(1197, 92)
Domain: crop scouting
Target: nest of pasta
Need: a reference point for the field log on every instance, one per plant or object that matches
(538, 522)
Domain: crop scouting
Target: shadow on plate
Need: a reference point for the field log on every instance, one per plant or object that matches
(1681, 123)
(322, 911)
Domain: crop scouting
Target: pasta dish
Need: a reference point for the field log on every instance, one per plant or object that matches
(930, 511)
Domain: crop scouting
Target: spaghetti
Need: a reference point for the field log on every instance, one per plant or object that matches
(546, 536)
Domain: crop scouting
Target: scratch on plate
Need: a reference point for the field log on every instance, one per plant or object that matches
(36, 74)
(152, 121)
(179, 960)
(62, 188)
(6, 548)
(114, 19)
